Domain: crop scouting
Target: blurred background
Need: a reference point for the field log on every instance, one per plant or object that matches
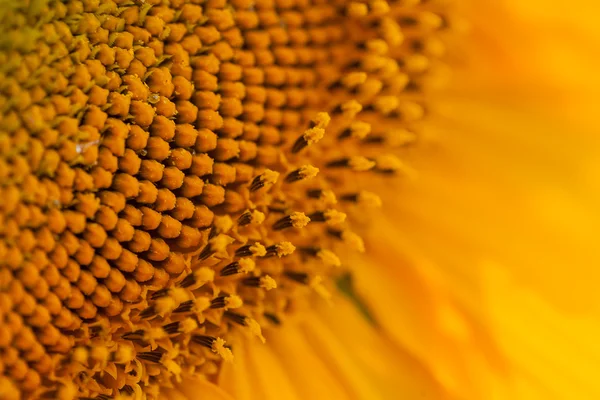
(503, 218)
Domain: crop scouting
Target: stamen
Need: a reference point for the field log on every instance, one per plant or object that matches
(255, 329)
(310, 136)
(332, 217)
(226, 302)
(215, 344)
(167, 304)
(314, 133)
(327, 196)
(218, 346)
(251, 217)
(349, 109)
(280, 250)
(198, 305)
(389, 164)
(265, 282)
(216, 246)
(363, 197)
(256, 249)
(357, 129)
(394, 138)
(327, 256)
(351, 239)
(252, 325)
(321, 120)
(296, 220)
(243, 265)
(197, 278)
(304, 172)
(151, 334)
(268, 177)
(152, 356)
(356, 163)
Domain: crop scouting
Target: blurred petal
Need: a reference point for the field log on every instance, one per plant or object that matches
(489, 260)
(193, 389)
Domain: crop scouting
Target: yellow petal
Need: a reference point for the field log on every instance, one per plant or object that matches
(199, 388)
(255, 373)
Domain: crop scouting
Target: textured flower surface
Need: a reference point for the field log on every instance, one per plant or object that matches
(178, 176)
(274, 199)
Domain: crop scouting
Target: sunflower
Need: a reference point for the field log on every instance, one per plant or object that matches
(180, 174)
(188, 188)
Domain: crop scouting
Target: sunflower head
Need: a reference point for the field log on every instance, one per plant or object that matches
(170, 171)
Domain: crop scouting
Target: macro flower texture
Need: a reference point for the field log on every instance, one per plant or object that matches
(298, 199)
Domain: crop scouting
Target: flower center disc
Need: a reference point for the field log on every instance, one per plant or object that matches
(172, 170)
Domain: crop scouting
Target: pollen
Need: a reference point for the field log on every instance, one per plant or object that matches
(285, 249)
(258, 250)
(218, 347)
(246, 265)
(267, 283)
(164, 164)
(299, 220)
(233, 301)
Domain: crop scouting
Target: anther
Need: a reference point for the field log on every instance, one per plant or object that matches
(357, 129)
(216, 345)
(349, 109)
(304, 172)
(356, 163)
(243, 265)
(296, 220)
(215, 245)
(152, 356)
(314, 133)
(248, 322)
(226, 302)
(185, 326)
(280, 250)
(267, 177)
(197, 278)
(349, 238)
(197, 306)
(332, 217)
(363, 197)
(327, 256)
(389, 164)
(265, 282)
(251, 217)
(327, 196)
(256, 249)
